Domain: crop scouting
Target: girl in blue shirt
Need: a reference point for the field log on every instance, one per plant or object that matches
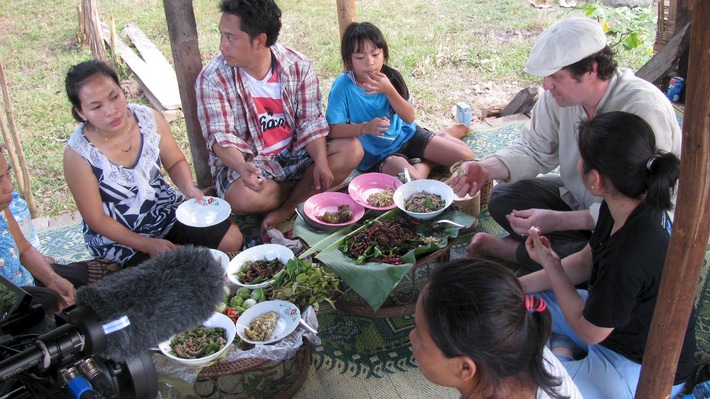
(370, 101)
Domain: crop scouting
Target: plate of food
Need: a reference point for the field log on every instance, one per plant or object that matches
(423, 199)
(203, 343)
(374, 190)
(268, 322)
(211, 211)
(333, 209)
(257, 266)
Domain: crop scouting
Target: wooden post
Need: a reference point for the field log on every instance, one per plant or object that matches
(692, 222)
(23, 174)
(180, 17)
(346, 14)
(91, 22)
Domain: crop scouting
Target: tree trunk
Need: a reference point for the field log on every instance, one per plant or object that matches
(186, 54)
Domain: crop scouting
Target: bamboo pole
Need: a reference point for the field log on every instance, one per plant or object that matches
(346, 14)
(91, 21)
(23, 175)
(9, 143)
(24, 182)
(692, 222)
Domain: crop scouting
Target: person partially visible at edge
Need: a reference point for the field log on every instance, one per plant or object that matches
(20, 262)
(112, 165)
(259, 105)
(477, 332)
(370, 101)
(600, 333)
(581, 80)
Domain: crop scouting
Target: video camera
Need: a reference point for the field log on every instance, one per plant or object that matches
(41, 358)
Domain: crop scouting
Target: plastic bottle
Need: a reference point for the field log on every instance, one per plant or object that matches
(19, 209)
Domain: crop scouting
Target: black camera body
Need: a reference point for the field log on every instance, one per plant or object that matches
(41, 358)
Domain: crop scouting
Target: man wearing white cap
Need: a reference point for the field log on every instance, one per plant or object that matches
(581, 80)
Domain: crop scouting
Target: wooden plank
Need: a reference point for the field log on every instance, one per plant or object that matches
(164, 90)
(691, 226)
(148, 51)
(665, 60)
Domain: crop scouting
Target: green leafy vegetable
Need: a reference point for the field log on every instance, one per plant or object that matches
(305, 283)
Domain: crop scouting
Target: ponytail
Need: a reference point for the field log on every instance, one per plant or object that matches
(662, 173)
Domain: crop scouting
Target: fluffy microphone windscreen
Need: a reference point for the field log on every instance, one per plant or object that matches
(163, 296)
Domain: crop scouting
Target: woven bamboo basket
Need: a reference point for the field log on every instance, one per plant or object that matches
(484, 193)
(255, 378)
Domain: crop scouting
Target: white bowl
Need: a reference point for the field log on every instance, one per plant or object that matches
(427, 185)
(257, 253)
(221, 257)
(217, 320)
(289, 318)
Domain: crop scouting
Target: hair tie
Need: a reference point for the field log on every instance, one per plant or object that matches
(651, 160)
(531, 306)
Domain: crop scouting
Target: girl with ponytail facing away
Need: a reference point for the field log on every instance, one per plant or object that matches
(600, 333)
(477, 332)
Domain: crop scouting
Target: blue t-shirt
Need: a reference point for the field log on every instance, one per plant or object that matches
(348, 103)
(10, 266)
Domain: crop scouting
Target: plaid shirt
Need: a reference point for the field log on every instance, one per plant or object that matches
(229, 117)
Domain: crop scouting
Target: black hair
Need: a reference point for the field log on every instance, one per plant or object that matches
(255, 17)
(606, 65)
(354, 38)
(476, 308)
(622, 148)
(78, 75)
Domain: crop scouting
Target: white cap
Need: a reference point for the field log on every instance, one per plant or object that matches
(563, 44)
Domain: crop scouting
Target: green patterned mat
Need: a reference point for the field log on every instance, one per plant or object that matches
(370, 357)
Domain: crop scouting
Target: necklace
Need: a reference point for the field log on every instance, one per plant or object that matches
(130, 140)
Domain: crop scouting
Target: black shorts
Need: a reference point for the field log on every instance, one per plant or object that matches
(414, 147)
(181, 234)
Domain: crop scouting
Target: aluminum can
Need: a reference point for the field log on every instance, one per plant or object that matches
(463, 113)
(675, 88)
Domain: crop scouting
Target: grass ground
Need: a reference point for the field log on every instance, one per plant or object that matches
(447, 50)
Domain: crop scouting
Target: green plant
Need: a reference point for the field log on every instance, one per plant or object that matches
(632, 28)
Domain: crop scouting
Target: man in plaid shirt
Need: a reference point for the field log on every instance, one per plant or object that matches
(259, 106)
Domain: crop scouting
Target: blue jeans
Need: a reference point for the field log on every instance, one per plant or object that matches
(602, 373)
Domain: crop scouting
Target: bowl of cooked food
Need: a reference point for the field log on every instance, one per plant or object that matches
(257, 266)
(268, 322)
(203, 343)
(423, 199)
(333, 209)
(374, 190)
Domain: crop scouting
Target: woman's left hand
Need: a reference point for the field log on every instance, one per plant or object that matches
(64, 288)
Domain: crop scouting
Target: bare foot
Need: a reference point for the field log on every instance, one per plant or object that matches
(458, 131)
(484, 244)
(274, 218)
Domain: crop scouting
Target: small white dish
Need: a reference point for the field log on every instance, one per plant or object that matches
(289, 319)
(217, 320)
(213, 210)
(260, 252)
(221, 257)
